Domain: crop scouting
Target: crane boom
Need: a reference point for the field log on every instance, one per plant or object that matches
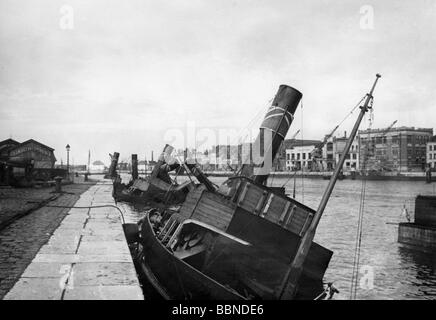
(295, 134)
(317, 151)
(389, 128)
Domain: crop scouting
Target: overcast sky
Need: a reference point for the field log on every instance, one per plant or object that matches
(129, 71)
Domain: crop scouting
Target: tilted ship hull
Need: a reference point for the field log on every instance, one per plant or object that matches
(236, 242)
(155, 188)
(244, 240)
(173, 277)
(245, 253)
(149, 191)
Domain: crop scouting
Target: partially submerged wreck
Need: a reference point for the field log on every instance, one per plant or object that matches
(420, 234)
(158, 187)
(243, 240)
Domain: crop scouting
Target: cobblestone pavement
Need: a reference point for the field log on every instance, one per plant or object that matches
(21, 240)
(14, 201)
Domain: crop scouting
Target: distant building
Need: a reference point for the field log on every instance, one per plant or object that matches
(78, 167)
(352, 158)
(299, 154)
(398, 149)
(431, 152)
(227, 157)
(97, 167)
(5, 147)
(328, 162)
(31, 151)
(20, 159)
(124, 166)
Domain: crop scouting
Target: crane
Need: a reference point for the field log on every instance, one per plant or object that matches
(316, 153)
(370, 147)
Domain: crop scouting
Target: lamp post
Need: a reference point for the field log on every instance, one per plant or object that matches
(68, 161)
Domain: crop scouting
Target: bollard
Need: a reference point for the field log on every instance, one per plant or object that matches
(58, 181)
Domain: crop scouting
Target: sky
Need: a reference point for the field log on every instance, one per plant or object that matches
(129, 76)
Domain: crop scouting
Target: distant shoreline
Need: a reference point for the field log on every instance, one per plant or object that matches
(406, 176)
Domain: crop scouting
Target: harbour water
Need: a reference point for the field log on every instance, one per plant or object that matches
(389, 270)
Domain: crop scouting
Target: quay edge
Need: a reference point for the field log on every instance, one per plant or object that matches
(417, 236)
(86, 258)
(420, 234)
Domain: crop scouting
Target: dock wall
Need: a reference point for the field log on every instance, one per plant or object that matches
(417, 235)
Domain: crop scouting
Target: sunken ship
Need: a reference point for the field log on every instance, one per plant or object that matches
(243, 239)
(421, 233)
(156, 188)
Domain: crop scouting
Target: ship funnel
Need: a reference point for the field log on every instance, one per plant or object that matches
(273, 131)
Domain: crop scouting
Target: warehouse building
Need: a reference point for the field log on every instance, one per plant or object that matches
(398, 149)
(29, 159)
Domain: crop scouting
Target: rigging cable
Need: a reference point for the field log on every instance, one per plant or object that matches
(359, 231)
(352, 110)
(302, 142)
(241, 138)
(90, 207)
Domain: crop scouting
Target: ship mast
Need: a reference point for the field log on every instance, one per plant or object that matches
(289, 286)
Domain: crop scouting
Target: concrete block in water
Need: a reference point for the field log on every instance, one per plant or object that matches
(419, 236)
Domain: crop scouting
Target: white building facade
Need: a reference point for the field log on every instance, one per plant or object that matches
(352, 158)
(299, 157)
(431, 152)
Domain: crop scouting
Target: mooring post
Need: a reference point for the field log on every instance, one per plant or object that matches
(134, 166)
(114, 163)
(58, 186)
(428, 174)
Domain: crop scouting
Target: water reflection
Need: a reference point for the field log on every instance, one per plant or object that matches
(422, 266)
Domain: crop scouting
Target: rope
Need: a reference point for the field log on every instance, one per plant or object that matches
(250, 124)
(358, 244)
(90, 207)
(289, 179)
(359, 231)
(302, 142)
(352, 110)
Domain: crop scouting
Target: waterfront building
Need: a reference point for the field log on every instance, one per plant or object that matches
(299, 154)
(33, 152)
(431, 152)
(397, 149)
(78, 167)
(327, 162)
(18, 160)
(226, 157)
(352, 158)
(5, 147)
(97, 167)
